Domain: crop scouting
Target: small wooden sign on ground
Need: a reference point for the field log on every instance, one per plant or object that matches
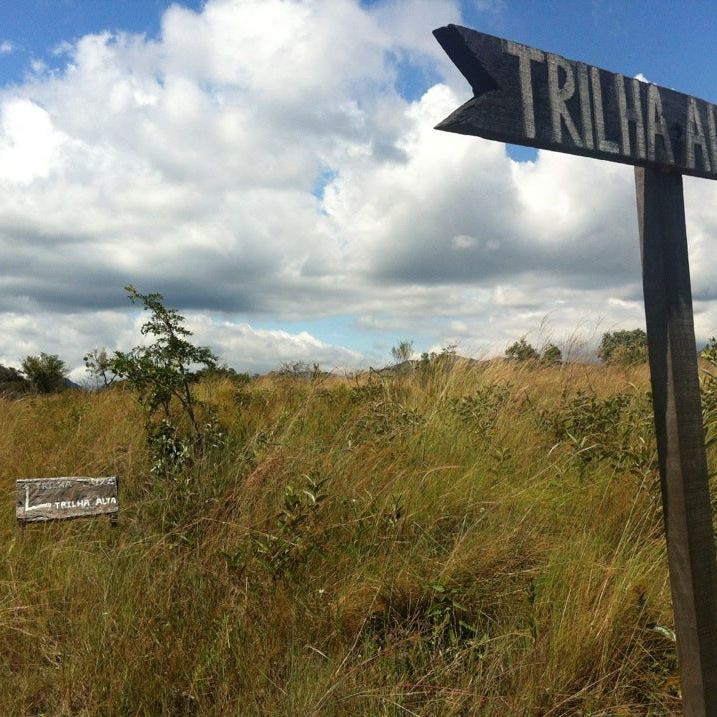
(43, 499)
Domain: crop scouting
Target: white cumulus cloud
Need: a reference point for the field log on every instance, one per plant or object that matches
(261, 158)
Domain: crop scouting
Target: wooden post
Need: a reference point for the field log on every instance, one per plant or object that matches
(680, 434)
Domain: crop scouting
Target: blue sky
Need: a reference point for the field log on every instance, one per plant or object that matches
(667, 41)
(271, 168)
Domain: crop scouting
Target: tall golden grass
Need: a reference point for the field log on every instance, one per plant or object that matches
(455, 540)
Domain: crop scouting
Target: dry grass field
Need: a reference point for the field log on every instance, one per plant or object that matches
(454, 540)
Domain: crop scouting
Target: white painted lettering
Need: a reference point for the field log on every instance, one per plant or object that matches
(657, 124)
(630, 114)
(558, 96)
(636, 117)
(695, 137)
(585, 107)
(712, 130)
(603, 144)
(525, 56)
(622, 113)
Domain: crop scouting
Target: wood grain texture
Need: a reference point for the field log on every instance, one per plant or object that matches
(680, 434)
(42, 499)
(527, 96)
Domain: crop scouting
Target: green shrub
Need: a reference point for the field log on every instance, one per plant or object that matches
(522, 351)
(46, 372)
(624, 348)
(551, 354)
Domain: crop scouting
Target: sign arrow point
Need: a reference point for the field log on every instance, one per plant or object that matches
(459, 44)
(456, 41)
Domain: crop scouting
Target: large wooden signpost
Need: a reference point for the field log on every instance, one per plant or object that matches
(527, 96)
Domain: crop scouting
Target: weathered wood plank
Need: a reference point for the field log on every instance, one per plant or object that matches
(527, 96)
(680, 434)
(42, 499)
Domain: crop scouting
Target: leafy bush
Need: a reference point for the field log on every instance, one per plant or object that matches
(625, 348)
(46, 372)
(617, 429)
(709, 352)
(522, 351)
(551, 354)
(481, 410)
(279, 550)
(170, 454)
(370, 391)
(383, 420)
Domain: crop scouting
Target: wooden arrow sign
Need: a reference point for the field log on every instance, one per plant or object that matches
(527, 96)
(536, 98)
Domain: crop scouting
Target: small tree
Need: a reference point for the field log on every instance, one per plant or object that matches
(97, 363)
(551, 354)
(625, 348)
(162, 371)
(46, 372)
(403, 351)
(521, 351)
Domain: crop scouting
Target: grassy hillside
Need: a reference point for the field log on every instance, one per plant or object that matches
(463, 540)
